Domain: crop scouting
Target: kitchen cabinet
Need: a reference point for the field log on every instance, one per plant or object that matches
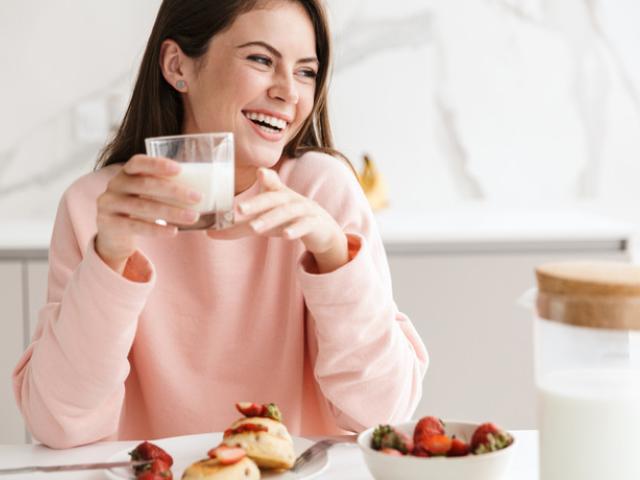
(465, 308)
(12, 302)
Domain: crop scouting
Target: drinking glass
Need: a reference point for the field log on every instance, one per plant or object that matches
(208, 167)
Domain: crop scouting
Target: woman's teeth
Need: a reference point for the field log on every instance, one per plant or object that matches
(266, 122)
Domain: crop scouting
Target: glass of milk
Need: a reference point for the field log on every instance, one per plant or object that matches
(587, 349)
(208, 167)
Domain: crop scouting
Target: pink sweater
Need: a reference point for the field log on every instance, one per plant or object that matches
(216, 323)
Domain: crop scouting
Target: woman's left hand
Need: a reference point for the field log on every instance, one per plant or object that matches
(281, 212)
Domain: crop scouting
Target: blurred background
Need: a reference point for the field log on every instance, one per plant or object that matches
(508, 102)
(507, 133)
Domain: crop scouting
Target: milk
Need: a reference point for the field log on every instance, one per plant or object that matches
(589, 423)
(215, 181)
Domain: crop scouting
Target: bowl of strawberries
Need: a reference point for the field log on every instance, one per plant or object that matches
(431, 448)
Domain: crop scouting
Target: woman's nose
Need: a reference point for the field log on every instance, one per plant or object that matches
(284, 88)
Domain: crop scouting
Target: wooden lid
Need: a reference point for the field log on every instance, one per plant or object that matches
(590, 294)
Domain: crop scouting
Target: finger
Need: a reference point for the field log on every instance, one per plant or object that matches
(238, 230)
(279, 216)
(300, 228)
(162, 189)
(269, 179)
(147, 209)
(264, 201)
(144, 164)
(138, 226)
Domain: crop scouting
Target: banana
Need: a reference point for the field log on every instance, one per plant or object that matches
(373, 185)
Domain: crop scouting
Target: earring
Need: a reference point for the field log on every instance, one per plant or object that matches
(181, 84)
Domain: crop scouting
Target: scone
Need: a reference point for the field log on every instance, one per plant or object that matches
(212, 469)
(264, 438)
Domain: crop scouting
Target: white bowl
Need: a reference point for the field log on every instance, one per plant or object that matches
(487, 466)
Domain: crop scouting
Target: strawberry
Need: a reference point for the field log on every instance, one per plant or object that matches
(245, 427)
(427, 426)
(392, 451)
(156, 470)
(166, 475)
(273, 412)
(270, 410)
(227, 455)
(458, 448)
(488, 437)
(158, 466)
(385, 436)
(249, 409)
(419, 451)
(436, 444)
(149, 451)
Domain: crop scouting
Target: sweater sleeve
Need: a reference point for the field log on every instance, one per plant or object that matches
(369, 361)
(69, 383)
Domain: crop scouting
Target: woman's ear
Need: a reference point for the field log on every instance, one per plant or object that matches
(173, 64)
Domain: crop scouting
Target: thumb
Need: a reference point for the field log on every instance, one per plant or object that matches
(269, 179)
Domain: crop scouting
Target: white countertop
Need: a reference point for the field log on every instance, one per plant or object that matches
(477, 228)
(345, 461)
(473, 227)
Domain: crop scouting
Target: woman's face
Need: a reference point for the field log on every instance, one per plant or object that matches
(257, 80)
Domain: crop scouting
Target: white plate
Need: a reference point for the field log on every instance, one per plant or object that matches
(190, 448)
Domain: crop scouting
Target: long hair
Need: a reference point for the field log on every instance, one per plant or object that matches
(156, 108)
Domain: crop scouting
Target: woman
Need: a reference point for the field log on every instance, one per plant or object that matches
(149, 333)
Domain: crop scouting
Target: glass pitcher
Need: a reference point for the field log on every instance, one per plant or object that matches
(587, 362)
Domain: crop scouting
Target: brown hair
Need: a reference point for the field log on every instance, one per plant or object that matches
(156, 107)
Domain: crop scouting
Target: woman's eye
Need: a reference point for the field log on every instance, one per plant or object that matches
(309, 73)
(260, 59)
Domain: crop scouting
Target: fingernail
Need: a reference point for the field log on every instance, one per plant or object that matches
(195, 196)
(257, 225)
(190, 215)
(244, 207)
(174, 167)
(288, 232)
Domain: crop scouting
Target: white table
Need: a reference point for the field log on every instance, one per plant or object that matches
(345, 461)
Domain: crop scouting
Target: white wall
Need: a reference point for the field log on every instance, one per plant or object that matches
(67, 64)
(60, 51)
(508, 102)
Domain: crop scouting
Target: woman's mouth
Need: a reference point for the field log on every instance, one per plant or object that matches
(271, 128)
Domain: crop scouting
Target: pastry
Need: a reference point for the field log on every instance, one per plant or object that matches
(224, 464)
(262, 435)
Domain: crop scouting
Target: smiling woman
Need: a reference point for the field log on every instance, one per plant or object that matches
(184, 37)
(150, 333)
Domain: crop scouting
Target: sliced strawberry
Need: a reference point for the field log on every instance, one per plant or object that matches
(436, 444)
(249, 409)
(458, 448)
(227, 455)
(392, 451)
(245, 427)
(427, 426)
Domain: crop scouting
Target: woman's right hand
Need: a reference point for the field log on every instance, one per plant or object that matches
(138, 195)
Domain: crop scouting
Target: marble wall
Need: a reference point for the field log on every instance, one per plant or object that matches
(502, 102)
